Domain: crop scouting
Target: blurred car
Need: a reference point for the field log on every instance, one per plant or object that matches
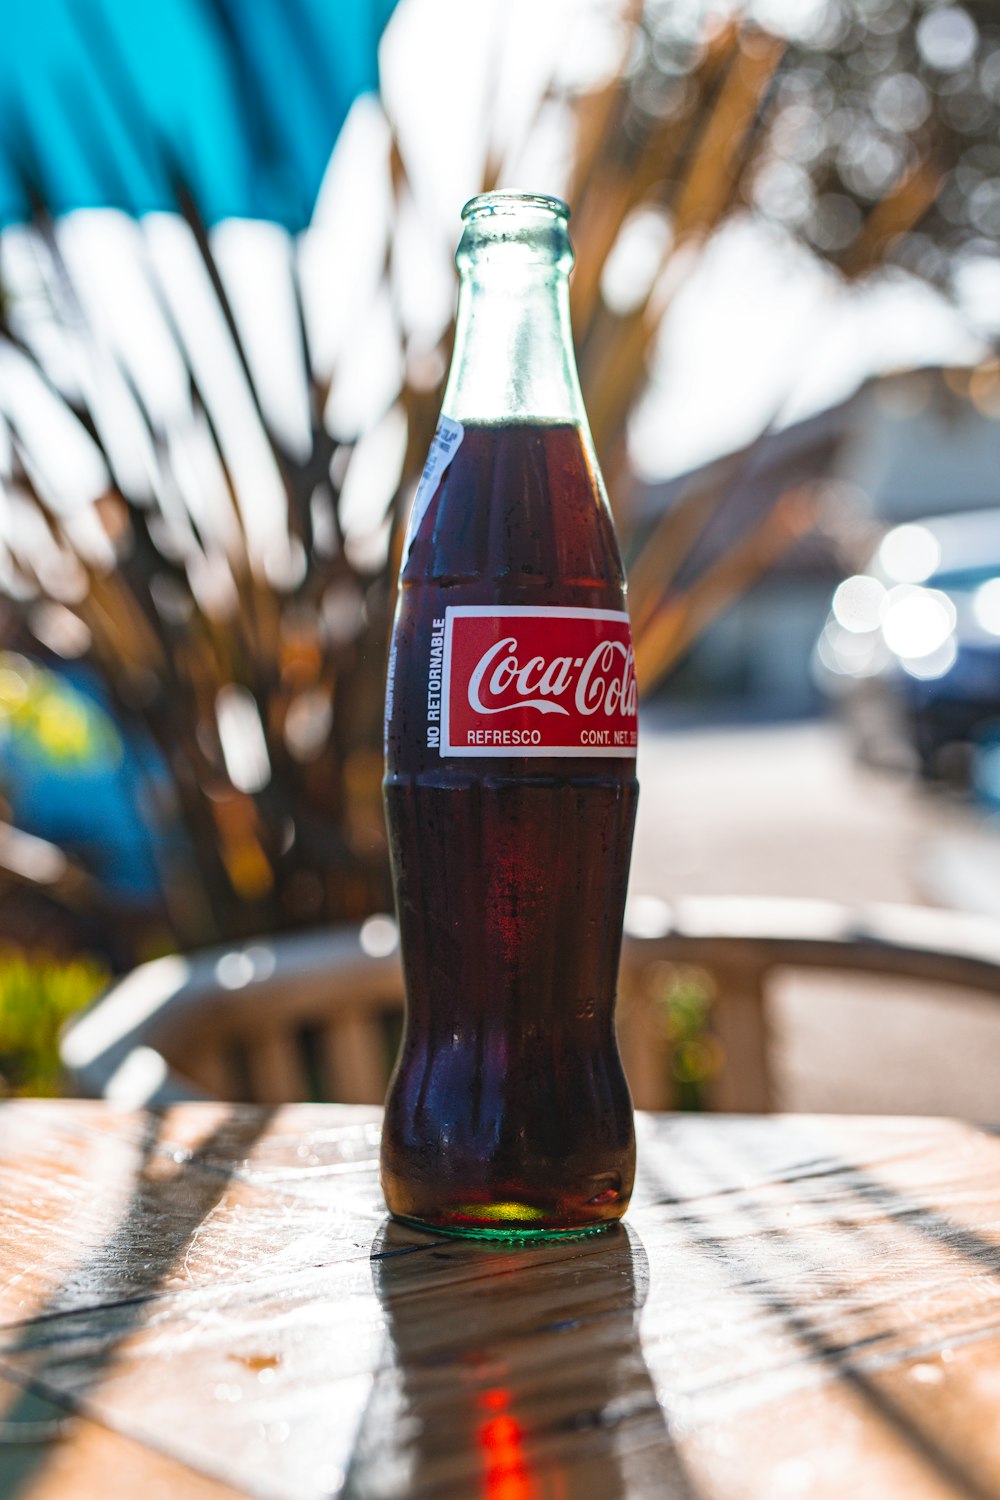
(911, 647)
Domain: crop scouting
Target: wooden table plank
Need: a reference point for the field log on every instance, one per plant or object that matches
(797, 1307)
(76, 1177)
(47, 1453)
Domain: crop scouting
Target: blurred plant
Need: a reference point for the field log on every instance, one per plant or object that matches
(885, 105)
(681, 998)
(38, 993)
(221, 547)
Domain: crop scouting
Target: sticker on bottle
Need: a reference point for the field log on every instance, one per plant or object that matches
(445, 444)
(537, 680)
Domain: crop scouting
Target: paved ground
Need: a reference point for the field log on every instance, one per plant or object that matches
(785, 811)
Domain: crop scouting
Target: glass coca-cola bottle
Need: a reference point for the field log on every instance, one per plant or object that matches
(510, 790)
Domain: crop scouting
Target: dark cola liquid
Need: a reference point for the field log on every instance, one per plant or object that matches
(508, 1111)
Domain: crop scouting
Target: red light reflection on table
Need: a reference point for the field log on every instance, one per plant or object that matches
(501, 1442)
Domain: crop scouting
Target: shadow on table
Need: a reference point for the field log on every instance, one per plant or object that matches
(514, 1373)
(843, 1349)
(103, 1299)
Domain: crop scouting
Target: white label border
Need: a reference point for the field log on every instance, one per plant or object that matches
(447, 439)
(516, 752)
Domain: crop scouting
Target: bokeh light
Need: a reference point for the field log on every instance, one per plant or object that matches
(857, 603)
(986, 605)
(917, 622)
(909, 554)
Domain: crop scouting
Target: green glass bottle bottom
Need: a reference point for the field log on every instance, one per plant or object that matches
(507, 1231)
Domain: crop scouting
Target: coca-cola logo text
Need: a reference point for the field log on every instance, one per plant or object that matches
(563, 679)
(605, 681)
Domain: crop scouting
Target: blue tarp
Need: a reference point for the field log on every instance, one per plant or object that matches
(111, 103)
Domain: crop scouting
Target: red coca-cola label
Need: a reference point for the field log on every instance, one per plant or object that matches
(532, 680)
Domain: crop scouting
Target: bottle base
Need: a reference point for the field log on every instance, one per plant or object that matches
(507, 1232)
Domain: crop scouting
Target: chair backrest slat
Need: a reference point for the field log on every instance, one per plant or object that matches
(276, 1067)
(211, 1067)
(354, 1057)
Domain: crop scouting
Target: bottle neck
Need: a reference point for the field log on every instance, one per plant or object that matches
(513, 358)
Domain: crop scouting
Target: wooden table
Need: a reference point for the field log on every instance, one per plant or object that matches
(210, 1303)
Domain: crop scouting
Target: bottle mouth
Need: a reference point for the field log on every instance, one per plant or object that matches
(508, 202)
(508, 234)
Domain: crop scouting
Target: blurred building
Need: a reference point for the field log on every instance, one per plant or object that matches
(908, 445)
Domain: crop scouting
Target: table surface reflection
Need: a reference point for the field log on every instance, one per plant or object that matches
(210, 1302)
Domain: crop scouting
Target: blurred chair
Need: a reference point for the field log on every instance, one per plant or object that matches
(316, 1016)
(741, 942)
(310, 1016)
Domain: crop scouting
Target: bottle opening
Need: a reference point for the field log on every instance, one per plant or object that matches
(509, 202)
(509, 234)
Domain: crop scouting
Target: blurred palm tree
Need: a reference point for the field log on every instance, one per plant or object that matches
(219, 552)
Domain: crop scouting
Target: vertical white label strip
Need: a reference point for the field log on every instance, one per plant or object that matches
(445, 444)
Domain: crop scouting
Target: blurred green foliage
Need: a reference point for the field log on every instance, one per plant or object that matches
(38, 993)
(683, 996)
